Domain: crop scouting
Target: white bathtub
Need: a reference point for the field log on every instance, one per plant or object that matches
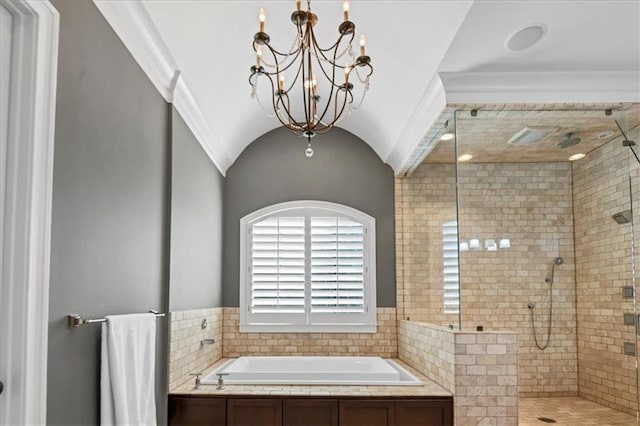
(312, 370)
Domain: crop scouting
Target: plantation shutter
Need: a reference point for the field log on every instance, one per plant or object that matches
(278, 265)
(337, 265)
(451, 277)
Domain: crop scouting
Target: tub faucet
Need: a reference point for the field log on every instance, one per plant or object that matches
(207, 342)
(198, 383)
(221, 380)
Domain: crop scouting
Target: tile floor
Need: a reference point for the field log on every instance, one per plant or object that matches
(570, 411)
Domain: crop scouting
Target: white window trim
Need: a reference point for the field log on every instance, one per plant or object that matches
(370, 324)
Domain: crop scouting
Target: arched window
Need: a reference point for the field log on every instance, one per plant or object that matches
(307, 266)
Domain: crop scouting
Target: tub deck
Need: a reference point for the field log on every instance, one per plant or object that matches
(427, 389)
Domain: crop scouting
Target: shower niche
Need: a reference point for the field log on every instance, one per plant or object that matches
(523, 221)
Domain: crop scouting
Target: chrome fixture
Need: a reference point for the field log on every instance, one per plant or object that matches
(531, 306)
(221, 380)
(198, 384)
(207, 342)
(568, 141)
(627, 142)
(204, 324)
(315, 70)
(75, 320)
(622, 217)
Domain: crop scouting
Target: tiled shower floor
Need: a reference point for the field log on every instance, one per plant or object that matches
(570, 411)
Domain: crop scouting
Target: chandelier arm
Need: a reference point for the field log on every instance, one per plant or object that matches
(277, 64)
(333, 86)
(292, 50)
(310, 116)
(366, 78)
(336, 115)
(357, 107)
(297, 75)
(255, 93)
(290, 123)
(333, 48)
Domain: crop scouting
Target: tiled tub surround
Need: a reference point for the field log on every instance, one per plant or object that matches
(186, 353)
(479, 368)
(603, 267)
(531, 205)
(383, 343)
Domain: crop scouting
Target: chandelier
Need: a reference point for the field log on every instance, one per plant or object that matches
(313, 71)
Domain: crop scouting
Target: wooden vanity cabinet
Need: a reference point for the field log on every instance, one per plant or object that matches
(310, 412)
(185, 410)
(368, 412)
(253, 412)
(197, 411)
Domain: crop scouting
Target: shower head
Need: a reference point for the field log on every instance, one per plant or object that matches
(558, 261)
(622, 217)
(568, 141)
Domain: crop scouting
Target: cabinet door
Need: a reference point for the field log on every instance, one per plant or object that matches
(187, 411)
(369, 413)
(254, 412)
(424, 413)
(310, 412)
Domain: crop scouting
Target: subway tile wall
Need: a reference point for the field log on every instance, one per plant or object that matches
(383, 343)
(603, 267)
(480, 369)
(186, 353)
(528, 203)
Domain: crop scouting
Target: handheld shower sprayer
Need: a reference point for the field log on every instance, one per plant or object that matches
(531, 306)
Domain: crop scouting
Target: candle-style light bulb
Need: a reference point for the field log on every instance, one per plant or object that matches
(281, 82)
(262, 18)
(362, 42)
(258, 56)
(298, 5)
(345, 10)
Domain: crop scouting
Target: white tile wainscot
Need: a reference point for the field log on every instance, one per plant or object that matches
(479, 368)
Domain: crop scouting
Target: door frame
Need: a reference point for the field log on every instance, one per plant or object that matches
(24, 279)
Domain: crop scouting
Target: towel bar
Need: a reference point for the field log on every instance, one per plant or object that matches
(75, 320)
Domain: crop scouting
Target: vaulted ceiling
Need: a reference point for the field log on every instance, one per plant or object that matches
(425, 54)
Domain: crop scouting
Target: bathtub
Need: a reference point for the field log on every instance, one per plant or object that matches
(312, 370)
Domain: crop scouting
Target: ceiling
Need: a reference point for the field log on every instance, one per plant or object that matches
(485, 135)
(413, 44)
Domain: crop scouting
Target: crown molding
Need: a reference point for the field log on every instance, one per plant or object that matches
(132, 23)
(188, 108)
(429, 109)
(541, 87)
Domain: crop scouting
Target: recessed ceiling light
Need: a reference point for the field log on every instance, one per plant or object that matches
(526, 37)
(465, 157)
(446, 137)
(575, 157)
(605, 135)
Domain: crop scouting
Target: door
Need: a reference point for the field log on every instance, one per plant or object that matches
(28, 65)
(6, 42)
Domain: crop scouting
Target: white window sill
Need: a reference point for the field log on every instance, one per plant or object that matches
(315, 328)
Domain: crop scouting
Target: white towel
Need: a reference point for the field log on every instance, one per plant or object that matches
(127, 382)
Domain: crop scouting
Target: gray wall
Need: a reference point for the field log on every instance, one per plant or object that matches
(196, 224)
(344, 169)
(109, 252)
